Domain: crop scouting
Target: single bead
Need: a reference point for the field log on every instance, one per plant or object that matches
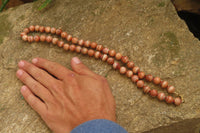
(47, 29)
(53, 30)
(140, 83)
(177, 101)
(32, 28)
(99, 48)
(170, 89)
(146, 89)
(112, 53)
(93, 45)
(136, 69)
(72, 47)
(125, 59)
(84, 50)
(105, 50)
(110, 60)
(55, 40)
(149, 78)
(153, 93)
(49, 39)
(164, 84)
(69, 38)
(22, 34)
(104, 57)
(41, 29)
(58, 31)
(78, 49)
(36, 38)
(161, 96)
(26, 30)
(81, 42)
(116, 65)
(60, 44)
(169, 99)
(74, 40)
(30, 39)
(37, 28)
(25, 38)
(141, 75)
(118, 56)
(122, 70)
(156, 80)
(64, 34)
(42, 38)
(66, 47)
(90, 52)
(87, 44)
(130, 64)
(135, 78)
(97, 55)
(129, 73)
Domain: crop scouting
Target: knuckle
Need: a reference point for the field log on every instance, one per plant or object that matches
(57, 87)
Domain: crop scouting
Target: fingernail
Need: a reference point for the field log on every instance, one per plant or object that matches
(23, 89)
(21, 64)
(19, 72)
(35, 60)
(76, 60)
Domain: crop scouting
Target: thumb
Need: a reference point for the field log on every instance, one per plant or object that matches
(80, 68)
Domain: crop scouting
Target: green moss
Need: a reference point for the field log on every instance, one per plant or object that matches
(4, 27)
(161, 4)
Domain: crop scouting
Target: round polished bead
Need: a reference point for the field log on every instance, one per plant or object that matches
(42, 38)
(93, 45)
(60, 43)
(84, 51)
(22, 34)
(156, 80)
(64, 34)
(78, 49)
(146, 89)
(48, 29)
(69, 38)
(122, 70)
(32, 28)
(118, 56)
(149, 78)
(49, 39)
(55, 40)
(141, 75)
(41, 29)
(58, 31)
(112, 53)
(153, 93)
(66, 47)
(104, 57)
(164, 84)
(177, 101)
(110, 60)
(125, 59)
(105, 50)
(53, 30)
(129, 73)
(140, 83)
(97, 55)
(116, 65)
(87, 44)
(136, 69)
(134, 78)
(169, 99)
(36, 38)
(37, 28)
(30, 39)
(130, 64)
(72, 47)
(81, 42)
(161, 96)
(99, 48)
(25, 38)
(26, 30)
(91, 52)
(74, 40)
(170, 89)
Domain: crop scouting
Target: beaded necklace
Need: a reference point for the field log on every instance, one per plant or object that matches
(97, 51)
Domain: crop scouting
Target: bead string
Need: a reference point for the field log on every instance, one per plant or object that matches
(105, 54)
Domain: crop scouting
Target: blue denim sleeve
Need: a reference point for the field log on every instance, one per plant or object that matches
(99, 126)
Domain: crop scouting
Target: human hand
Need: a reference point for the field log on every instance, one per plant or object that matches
(68, 100)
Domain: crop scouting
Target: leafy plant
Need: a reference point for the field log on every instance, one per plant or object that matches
(4, 3)
(44, 4)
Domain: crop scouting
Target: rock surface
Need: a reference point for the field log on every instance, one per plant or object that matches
(148, 31)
